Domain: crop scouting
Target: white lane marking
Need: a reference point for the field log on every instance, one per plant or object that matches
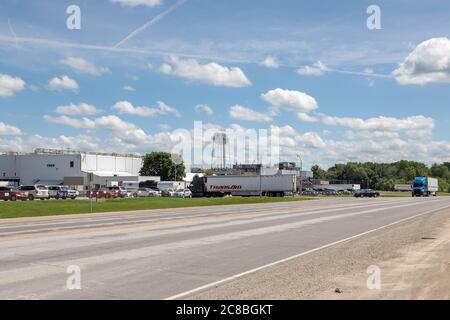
(234, 277)
(289, 211)
(40, 269)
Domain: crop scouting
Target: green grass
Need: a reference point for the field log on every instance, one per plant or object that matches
(61, 207)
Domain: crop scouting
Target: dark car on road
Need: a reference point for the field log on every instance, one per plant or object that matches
(367, 193)
(10, 194)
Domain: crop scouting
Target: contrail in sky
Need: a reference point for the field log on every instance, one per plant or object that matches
(151, 22)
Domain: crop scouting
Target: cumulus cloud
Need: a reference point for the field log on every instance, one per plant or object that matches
(84, 123)
(428, 62)
(79, 142)
(81, 109)
(238, 112)
(125, 107)
(290, 100)
(210, 73)
(83, 66)
(413, 123)
(110, 122)
(360, 146)
(135, 3)
(270, 62)
(7, 130)
(317, 69)
(204, 109)
(10, 85)
(63, 83)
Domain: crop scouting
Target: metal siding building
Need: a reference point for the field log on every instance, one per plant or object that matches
(56, 166)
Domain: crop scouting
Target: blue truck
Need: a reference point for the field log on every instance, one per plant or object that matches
(425, 187)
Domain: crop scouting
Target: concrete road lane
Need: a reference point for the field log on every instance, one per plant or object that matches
(163, 253)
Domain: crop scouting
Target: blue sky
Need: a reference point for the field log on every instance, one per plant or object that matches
(339, 91)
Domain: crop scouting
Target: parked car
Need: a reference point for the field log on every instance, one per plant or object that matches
(35, 192)
(103, 193)
(369, 193)
(53, 191)
(67, 193)
(154, 192)
(11, 194)
(183, 193)
(142, 193)
(121, 191)
(168, 193)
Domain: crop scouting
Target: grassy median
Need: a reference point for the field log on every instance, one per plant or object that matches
(61, 207)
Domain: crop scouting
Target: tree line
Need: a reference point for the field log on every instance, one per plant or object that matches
(383, 176)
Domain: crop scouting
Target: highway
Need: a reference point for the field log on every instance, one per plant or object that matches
(171, 253)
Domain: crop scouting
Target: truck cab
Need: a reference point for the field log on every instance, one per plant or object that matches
(424, 187)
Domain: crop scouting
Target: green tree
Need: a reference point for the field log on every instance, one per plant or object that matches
(161, 164)
(440, 171)
(208, 173)
(318, 172)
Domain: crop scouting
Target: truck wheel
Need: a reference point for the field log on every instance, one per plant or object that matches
(30, 197)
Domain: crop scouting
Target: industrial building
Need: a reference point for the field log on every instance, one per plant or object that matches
(67, 167)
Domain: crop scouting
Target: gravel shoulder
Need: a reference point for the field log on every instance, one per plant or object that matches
(413, 258)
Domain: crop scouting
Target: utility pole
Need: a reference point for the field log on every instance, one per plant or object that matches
(260, 181)
(301, 174)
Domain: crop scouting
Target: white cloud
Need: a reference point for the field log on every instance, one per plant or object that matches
(211, 73)
(271, 62)
(317, 69)
(306, 117)
(428, 62)
(83, 123)
(290, 100)
(125, 107)
(81, 109)
(7, 130)
(128, 88)
(205, 109)
(238, 112)
(135, 3)
(10, 85)
(81, 65)
(407, 125)
(63, 83)
(79, 142)
(110, 122)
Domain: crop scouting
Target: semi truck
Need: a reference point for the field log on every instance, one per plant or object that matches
(266, 185)
(425, 187)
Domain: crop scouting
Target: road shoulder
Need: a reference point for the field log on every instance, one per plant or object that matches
(413, 258)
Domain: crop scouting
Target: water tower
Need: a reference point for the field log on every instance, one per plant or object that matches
(219, 153)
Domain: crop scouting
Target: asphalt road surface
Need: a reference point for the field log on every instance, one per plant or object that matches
(175, 252)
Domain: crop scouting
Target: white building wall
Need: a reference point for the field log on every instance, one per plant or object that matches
(93, 162)
(32, 168)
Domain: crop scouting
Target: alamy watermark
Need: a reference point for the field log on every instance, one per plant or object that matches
(374, 280)
(374, 20)
(206, 146)
(73, 281)
(73, 22)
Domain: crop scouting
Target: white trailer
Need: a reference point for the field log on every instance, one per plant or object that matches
(403, 187)
(425, 186)
(273, 185)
